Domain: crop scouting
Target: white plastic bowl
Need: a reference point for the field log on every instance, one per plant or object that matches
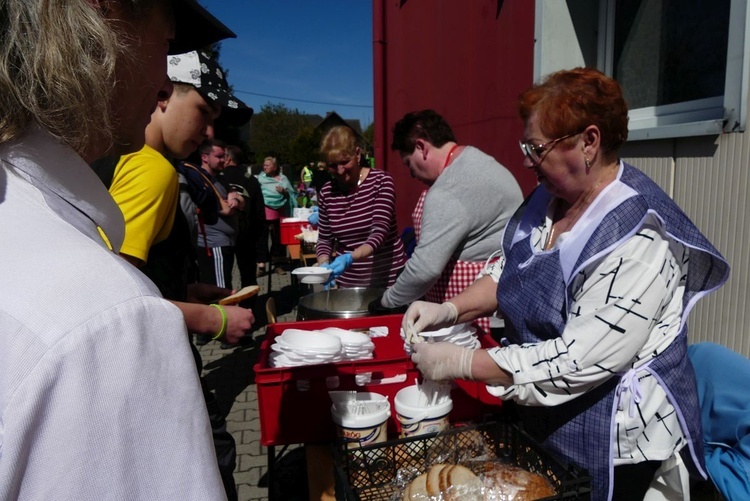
(348, 338)
(312, 274)
(309, 340)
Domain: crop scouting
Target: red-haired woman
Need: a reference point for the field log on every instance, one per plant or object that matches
(599, 273)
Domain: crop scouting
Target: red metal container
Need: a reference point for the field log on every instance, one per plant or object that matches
(293, 402)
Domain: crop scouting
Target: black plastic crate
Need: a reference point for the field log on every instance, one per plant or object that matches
(369, 473)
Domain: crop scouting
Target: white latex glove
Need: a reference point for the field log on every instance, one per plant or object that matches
(442, 361)
(424, 316)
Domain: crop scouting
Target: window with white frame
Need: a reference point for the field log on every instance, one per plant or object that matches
(682, 64)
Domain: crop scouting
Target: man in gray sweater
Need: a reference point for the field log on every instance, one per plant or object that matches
(459, 220)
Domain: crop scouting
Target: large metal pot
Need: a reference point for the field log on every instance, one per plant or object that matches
(337, 303)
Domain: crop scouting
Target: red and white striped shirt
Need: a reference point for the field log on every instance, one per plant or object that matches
(366, 215)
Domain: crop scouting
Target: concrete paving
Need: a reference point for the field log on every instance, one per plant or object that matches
(229, 372)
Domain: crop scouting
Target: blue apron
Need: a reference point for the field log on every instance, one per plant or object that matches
(535, 294)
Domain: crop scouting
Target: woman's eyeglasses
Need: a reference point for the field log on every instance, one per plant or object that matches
(536, 153)
(335, 165)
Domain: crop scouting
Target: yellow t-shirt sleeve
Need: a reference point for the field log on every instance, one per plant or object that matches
(146, 188)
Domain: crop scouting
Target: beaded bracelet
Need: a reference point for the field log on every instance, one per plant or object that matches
(224, 321)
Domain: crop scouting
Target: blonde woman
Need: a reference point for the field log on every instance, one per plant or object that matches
(357, 233)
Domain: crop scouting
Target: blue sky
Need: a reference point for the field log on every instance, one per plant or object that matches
(310, 55)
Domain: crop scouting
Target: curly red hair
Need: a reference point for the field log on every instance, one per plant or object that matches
(570, 100)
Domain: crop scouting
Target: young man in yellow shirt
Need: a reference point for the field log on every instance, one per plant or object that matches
(157, 237)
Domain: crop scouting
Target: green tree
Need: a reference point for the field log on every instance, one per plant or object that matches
(305, 147)
(368, 135)
(273, 131)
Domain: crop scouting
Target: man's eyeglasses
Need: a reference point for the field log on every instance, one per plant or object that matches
(536, 153)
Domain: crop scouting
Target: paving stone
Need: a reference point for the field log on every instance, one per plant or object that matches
(248, 462)
(253, 448)
(236, 415)
(248, 437)
(249, 477)
(247, 405)
(252, 493)
(234, 426)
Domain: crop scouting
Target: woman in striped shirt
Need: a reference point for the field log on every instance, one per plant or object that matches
(357, 218)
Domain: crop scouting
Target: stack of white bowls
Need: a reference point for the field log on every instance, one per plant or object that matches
(354, 345)
(460, 334)
(296, 347)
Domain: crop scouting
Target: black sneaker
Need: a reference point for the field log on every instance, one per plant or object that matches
(226, 346)
(202, 339)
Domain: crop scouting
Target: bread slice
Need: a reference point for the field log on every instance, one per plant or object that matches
(448, 482)
(443, 477)
(417, 489)
(460, 483)
(407, 493)
(434, 484)
(240, 295)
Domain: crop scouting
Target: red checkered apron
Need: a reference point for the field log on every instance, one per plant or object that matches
(457, 274)
(416, 215)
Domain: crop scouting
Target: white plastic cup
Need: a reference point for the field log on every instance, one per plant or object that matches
(415, 414)
(360, 430)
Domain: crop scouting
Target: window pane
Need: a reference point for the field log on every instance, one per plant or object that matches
(670, 51)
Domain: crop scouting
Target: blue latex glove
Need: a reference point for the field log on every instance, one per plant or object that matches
(314, 217)
(338, 266)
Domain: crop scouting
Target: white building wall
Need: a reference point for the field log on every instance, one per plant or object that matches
(709, 177)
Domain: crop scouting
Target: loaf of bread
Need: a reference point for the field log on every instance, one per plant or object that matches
(511, 483)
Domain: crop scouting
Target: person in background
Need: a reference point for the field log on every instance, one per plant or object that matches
(459, 221)
(725, 413)
(87, 395)
(280, 199)
(320, 177)
(357, 234)
(305, 175)
(252, 218)
(219, 238)
(600, 270)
